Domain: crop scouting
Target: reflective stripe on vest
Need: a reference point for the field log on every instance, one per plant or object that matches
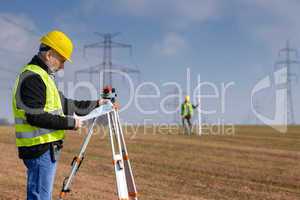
(51, 137)
(33, 133)
(26, 134)
(23, 121)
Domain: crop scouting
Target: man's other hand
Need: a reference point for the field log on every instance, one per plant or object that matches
(78, 123)
(116, 105)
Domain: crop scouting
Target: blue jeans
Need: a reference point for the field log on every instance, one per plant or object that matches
(40, 177)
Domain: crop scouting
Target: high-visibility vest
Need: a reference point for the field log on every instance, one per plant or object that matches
(186, 109)
(26, 134)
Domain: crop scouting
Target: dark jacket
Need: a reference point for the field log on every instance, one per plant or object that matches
(32, 93)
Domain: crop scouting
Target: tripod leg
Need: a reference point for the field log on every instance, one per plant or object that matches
(118, 161)
(132, 191)
(76, 163)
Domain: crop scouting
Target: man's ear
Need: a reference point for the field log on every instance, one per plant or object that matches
(48, 55)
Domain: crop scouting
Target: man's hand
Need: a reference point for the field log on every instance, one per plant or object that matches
(78, 123)
(102, 102)
(116, 105)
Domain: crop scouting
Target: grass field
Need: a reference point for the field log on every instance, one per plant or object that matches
(256, 163)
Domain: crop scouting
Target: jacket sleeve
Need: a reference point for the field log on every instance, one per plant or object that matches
(33, 98)
(71, 106)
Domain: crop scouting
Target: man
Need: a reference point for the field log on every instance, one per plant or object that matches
(40, 112)
(187, 109)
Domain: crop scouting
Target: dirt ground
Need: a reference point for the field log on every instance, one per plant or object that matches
(256, 163)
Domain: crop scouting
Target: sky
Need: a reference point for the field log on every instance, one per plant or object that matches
(229, 44)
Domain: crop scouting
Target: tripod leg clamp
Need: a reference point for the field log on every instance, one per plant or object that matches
(78, 161)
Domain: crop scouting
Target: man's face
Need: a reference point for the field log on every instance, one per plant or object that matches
(55, 61)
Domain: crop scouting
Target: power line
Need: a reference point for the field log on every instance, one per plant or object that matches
(10, 21)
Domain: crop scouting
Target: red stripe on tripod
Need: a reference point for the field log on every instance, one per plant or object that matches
(132, 194)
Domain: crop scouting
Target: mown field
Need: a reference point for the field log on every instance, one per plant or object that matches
(256, 163)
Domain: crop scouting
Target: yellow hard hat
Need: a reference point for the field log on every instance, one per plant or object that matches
(60, 42)
(187, 98)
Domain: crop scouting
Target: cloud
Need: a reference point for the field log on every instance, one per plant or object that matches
(193, 9)
(272, 22)
(176, 13)
(171, 44)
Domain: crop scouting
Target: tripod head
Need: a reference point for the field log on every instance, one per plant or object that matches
(109, 93)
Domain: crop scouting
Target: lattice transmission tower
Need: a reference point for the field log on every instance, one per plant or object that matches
(287, 62)
(106, 68)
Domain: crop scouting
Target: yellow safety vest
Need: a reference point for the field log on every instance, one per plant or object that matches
(26, 134)
(186, 109)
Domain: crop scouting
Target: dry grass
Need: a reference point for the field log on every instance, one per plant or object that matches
(255, 163)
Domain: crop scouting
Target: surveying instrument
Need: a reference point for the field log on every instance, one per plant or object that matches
(126, 188)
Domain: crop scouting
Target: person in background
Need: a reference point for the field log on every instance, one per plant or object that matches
(187, 110)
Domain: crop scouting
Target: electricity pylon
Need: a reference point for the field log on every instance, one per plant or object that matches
(288, 62)
(106, 68)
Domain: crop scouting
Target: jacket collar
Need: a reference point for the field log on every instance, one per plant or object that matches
(39, 62)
